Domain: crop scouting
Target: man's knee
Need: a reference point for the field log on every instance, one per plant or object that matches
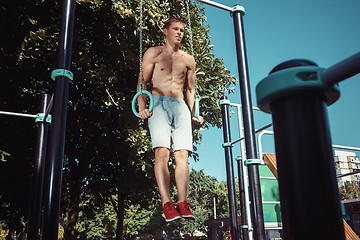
(181, 156)
(162, 153)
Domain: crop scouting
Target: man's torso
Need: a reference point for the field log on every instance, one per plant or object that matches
(170, 73)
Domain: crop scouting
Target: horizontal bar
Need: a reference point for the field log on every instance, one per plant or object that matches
(215, 4)
(256, 131)
(268, 178)
(334, 146)
(345, 147)
(18, 114)
(342, 70)
(271, 202)
(239, 105)
(348, 174)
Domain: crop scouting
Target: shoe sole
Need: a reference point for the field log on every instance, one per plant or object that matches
(172, 219)
(192, 217)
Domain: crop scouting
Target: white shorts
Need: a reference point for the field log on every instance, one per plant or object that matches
(170, 124)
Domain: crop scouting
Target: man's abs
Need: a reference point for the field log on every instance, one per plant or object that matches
(168, 86)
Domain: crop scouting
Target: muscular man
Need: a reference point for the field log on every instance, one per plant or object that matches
(170, 70)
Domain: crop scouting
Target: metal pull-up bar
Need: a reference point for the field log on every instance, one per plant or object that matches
(15, 114)
(342, 70)
(217, 5)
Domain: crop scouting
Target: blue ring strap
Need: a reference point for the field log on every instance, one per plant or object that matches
(197, 107)
(133, 102)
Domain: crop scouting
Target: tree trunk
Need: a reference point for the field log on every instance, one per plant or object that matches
(120, 215)
(76, 177)
(74, 206)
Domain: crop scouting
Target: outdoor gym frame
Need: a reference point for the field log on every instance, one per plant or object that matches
(42, 120)
(298, 111)
(50, 189)
(296, 93)
(237, 13)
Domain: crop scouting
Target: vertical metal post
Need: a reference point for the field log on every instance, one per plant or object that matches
(57, 135)
(244, 226)
(229, 168)
(214, 207)
(307, 183)
(244, 183)
(296, 97)
(249, 129)
(38, 178)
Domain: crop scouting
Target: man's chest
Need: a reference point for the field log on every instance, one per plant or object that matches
(174, 63)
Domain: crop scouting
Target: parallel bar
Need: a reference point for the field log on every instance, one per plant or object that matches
(342, 70)
(215, 4)
(18, 114)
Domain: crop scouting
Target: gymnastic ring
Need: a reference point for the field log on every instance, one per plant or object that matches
(133, 103)
(197, 107)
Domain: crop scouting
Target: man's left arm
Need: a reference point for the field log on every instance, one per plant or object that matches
(190, 91)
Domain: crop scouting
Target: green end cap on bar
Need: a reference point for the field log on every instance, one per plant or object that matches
(292, 81)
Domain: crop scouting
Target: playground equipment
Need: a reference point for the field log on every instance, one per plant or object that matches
(42, 120)
(296, 93)
(313, 118)
(58, 103)
(270, 161)
(237, 13)
(57, 135)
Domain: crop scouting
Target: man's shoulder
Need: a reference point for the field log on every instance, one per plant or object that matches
(155, 50)
(185, 54)
(189, 58)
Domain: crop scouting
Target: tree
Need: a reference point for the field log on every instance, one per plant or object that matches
(107, 151)
(349, 191)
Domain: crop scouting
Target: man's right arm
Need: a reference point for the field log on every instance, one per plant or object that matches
(148, 65)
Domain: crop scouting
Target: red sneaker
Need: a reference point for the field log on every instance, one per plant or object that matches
(170, 213)
(184, 209)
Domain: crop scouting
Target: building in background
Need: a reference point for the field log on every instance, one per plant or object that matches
(347, 162)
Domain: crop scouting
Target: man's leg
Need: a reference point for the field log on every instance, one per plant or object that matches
(181, 173)
(162, 173)
(182, 181)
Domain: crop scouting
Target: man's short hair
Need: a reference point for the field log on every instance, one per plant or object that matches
(171, 20)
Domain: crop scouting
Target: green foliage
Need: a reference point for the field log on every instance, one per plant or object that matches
(4, 156)
(96, 222)
(349, 191)
(3, 234)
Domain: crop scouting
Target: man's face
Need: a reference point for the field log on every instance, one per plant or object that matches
(175, 32)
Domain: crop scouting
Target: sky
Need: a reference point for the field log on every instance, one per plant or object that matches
(324, 31)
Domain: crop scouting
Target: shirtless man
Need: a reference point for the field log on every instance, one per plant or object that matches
(170, 70)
